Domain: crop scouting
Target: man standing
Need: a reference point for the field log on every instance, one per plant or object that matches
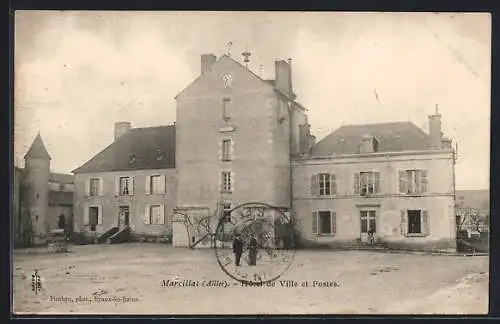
(237, 249)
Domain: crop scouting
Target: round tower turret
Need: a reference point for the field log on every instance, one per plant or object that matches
(37, 167)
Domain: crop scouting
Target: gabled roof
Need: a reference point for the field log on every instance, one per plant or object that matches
(60, 198)
(61, 178)
(37, 150)
(138, 149)
(391, 137)
(224, 57)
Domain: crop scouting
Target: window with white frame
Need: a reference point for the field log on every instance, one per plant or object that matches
(226, 212)
(368, 221)
(366, 183)
(155, 214)
(413, 181)
(156, 184)
(226, 181)
(94, 186)
(125, 186)
(226, 149)
(324, 222)
(414, 222)
(226, 107)
(93, 217)
(323, 184)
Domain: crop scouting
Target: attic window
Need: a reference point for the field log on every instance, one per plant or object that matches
(132, 159)
(159, 155)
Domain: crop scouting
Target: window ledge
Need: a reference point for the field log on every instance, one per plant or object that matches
(227, 129)
(415, 235)
(324, 235)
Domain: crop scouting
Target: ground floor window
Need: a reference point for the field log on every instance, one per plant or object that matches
(226, 212)
(414, 222)
(368, 221)
(93, 217)
(324, 222)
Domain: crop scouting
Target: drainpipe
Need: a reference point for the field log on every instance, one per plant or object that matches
(290, 154)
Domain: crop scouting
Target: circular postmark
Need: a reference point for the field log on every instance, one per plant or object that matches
(254, 243)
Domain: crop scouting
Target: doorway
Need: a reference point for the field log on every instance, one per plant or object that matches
(61, 223)
(123, 216)
(368, 223)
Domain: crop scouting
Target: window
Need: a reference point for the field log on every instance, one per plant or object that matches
(413, 181)
(155, 215)
(368, 221)
(414, 222)
(226, 181)
(323, 184)
(226, 212)
(226, 114)
(366, 183)
(93, 217)
(61, 187)
(226, 150)
(156, 184)
(125, 184)
(324, 222)
(94, 187)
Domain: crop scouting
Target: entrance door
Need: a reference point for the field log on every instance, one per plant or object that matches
(123, 217)
(368, 223)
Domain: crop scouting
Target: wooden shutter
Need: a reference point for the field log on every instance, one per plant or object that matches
(355, 184)
(146, 214)
(425, 223)
(315, 222)
(101, 187)
(333, 219)
(404, 223)
(403, 185)
(99, 215)
(148, 185)
(377, 182)
(131, 189)
(87, 187)
(314, 184)
(117, 186)
(162, 214)
(333, 184)
(85, 215)
(423, 181)
(162, 185)
(231, 181)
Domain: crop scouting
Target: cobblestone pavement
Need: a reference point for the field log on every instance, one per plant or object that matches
(127, 279)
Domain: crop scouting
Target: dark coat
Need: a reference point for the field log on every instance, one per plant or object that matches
(237, 246)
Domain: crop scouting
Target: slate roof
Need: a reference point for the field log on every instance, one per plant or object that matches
(37, 150)
(60, 198)
(61, 178)
(391, 137)
(138, 149)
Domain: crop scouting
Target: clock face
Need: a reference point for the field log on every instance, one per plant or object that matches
(227, 79)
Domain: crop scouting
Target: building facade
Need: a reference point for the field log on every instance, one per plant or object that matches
(130, 184)
(42, 200)
(239, 138)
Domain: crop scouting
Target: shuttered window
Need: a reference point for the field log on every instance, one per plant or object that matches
(413, 181)
(324, 222)
(323, 184)
(415, 222)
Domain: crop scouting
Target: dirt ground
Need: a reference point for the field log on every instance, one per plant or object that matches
(127, 279)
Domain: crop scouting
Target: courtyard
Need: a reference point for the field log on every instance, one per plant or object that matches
(128, 279)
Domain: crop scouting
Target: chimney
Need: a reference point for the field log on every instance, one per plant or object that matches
(283, 78)
(367, 144)
(435, 133)
(121, 128)
(206, 62)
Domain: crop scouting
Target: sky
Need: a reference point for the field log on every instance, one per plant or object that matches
(77, 73)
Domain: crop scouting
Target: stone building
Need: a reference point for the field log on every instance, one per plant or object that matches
(129, 184)
(42, 200)
(240, 138)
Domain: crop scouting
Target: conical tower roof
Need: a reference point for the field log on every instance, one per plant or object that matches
(37, 150)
